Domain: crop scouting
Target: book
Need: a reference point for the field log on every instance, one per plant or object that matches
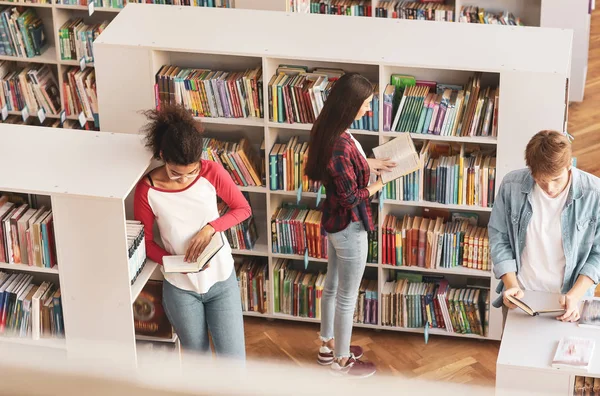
(176, 263)
(400, 150)
(424, 11)
(253, 280)
(590, 313)
(574, 353)
(530, 311)
(149, 316)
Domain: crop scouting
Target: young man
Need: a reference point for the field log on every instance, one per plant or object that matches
(543, 228)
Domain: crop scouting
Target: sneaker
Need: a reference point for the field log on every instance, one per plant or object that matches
(326, 355)
(354, 369)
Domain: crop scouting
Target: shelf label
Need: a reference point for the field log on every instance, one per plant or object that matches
(426, 332)
(319, 194)
(306, 259)
(381, 198)
(41, 115)
(63, 117)
(25, 113)
(82, 63)
(4, 112)
(96, 120)
(299, 194)
(91, 7)
(82, 119)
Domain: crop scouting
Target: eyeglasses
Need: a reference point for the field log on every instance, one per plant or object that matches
(192, 175)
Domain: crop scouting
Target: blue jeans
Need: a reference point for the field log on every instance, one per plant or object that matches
(347, 258)
(219, 311)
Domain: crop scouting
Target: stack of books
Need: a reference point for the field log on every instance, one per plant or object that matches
(238, 158)
(76, 39)
(297, 293)
(244, 235)
(431, 10)
(136, 248)
(79, 88)
(253, 280)
(23, 32)
(296, 229)
(34, 86)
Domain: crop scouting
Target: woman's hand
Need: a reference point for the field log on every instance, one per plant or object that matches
(380, 165)
(373, 188)
(571, 306)
(198, 243)
(513, 292)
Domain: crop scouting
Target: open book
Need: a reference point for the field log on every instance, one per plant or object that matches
(530, 311)
(173, 264)
(400, 150)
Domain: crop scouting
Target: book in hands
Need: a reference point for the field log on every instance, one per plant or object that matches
(574, 353)
(530, 311)
(176, 264)
(400, 150)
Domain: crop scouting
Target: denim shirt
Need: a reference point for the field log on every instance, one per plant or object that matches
(580, 232)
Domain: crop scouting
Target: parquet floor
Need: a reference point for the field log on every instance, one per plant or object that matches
(443, 358)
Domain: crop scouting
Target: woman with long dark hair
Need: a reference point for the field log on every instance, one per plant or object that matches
(337, 160)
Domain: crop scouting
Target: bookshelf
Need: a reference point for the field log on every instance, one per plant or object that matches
(531, 67)
(87, 196)
(574, 15)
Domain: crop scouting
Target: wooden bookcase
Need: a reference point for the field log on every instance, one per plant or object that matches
(572, 14)
(84, 177)
(531, 67)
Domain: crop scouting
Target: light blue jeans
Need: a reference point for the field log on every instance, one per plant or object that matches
(219, 311)
(347, 258)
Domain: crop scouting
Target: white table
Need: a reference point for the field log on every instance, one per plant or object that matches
(528, 346)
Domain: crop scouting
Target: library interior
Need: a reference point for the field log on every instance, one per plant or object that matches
(268, 195)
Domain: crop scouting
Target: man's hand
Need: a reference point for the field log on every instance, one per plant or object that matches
(514, 292)
(571, 306)
(380, 165)
(198, 243)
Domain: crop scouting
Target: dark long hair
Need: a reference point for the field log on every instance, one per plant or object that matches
(173, 135)
(339, 111)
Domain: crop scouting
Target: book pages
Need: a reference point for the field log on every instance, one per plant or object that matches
(400, 150)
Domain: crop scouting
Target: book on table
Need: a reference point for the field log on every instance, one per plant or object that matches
(530, 311)
(574, 353)
(176, 264)
(400, 150)
(590, 313)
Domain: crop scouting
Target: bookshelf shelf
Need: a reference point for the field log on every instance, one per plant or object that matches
(48, 56)
(428, 204)
(250, 121)
(436, 331)
(525, 64)
(254, 189)
(85, 8)
(23, 4)
(142, 279)
(261, 248)
(445, 271)
(29, 268)
(256, 314)
(314, 320)
(74, 63)
(55, 343)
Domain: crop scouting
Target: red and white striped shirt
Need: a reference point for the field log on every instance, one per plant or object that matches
(180, 214)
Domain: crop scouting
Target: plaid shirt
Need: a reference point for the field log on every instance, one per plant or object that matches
(347, 198)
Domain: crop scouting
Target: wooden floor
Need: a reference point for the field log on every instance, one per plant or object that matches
(443, 358)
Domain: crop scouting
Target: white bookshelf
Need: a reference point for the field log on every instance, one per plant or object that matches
(531, 67)
(572, 14)
(86, 176)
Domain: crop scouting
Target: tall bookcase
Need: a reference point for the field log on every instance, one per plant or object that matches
(85, 178)
(531, 67)
(572, 14)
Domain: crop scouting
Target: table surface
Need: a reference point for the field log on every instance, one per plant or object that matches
(531, 342)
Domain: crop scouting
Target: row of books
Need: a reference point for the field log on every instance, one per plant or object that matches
(433, 108)
(237, 157)
(79, 92)
(366, 307)
(286, 167)
(34, 86)
(244, 235)
(296, 229)
(50, 123)
(76, 39)
(211, 93)
(331, 7)
(435, 242)
(136, 249)
(21, 32)
(253, 281)
(28, 310)
(404, 188)
(122, 3)
(414, 301)
(474, 14)
(426, 11)
(586, 386)
(373, 240)
(26, 233)
(297, 95)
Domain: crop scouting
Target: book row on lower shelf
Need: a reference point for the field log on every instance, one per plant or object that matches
(435, 243)
(242, 236)
(121, 3)
(29, 310)
(586, 386)
(21, 32)
(50, 123)
(407, 300)
(26, 232)
(136, 248)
